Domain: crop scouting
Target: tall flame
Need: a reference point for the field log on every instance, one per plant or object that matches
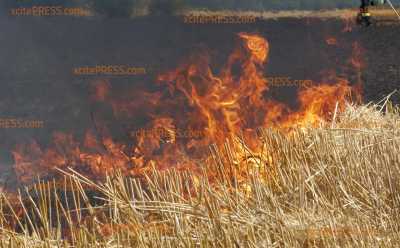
(173, 126)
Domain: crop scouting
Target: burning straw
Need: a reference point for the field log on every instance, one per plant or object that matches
(336, 185)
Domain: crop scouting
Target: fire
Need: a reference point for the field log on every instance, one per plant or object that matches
(349, 21)
(332, 41)
(257, 45)
(356, 58)
(358, 64)
(317, 103)
(163, 126)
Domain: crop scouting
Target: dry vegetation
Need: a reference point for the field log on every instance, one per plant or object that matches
(384, 13)
(332, 186)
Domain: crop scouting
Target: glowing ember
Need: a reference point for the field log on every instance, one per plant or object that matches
(332, 41)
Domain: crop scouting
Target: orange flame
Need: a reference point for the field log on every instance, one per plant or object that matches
(332, 41)
(191, 97)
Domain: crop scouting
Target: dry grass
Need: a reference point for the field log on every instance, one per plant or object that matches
(384, 13)
(334, 186)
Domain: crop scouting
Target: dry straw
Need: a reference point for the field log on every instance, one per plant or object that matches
(332, 186)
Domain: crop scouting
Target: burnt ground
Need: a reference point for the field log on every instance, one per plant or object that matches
(38, 54)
